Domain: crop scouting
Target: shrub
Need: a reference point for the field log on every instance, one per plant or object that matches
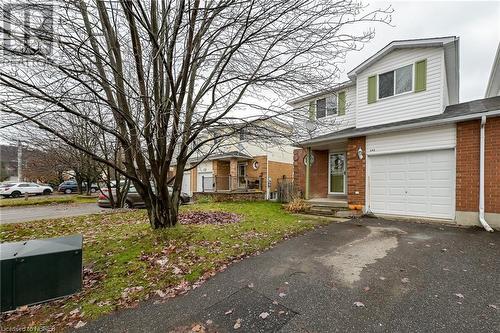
(205, 199)
(297, 205)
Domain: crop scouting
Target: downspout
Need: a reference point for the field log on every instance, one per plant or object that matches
(308, 172)
(481, 178)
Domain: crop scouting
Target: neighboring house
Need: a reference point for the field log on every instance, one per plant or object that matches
(403, 146)
(493, 88)
(242, 163)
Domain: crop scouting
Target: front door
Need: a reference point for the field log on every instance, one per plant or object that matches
(337, 174)
(242, 173)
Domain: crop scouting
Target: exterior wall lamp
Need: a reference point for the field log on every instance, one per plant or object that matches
(360, 153)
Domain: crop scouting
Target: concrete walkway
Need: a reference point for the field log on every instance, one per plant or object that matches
(365, 275)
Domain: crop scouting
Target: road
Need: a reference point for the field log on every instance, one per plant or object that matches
(31, 213)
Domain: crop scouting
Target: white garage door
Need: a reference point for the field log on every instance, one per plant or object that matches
(414, 184)
(186, 182)
(205, 181)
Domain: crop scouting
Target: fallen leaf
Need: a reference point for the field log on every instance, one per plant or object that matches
(281, 312)
(197, 328)
(459, 295)
(75, 311)
(162, 262)
(264, 315)
(405, 280)
(275, 302)
(209, 322)
(359, 304)
(228, 312)
(281, 295)
(366, 288)
(80, 324)
(250, 285)
(237, 324)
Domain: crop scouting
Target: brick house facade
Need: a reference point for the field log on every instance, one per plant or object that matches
(467, 166)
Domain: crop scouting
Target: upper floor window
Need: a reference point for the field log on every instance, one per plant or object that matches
(326, 106)
(395, 82)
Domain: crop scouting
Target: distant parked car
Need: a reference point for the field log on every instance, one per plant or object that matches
(71, 186)
(15, 190)
(133, 199)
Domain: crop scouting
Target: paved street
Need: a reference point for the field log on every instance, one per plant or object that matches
(365, 275)
(31, 213)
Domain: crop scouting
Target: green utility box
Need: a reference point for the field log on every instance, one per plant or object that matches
(40, 270)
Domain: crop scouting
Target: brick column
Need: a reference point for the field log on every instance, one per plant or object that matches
(233, 172)
(356, 172)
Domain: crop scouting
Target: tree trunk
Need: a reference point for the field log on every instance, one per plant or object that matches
(162, 211)
(88, 188)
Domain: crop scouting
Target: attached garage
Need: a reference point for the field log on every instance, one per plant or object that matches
(205, 181)
(414, 184)
(408, 174)
(186, 182)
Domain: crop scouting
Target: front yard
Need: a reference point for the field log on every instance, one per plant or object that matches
(125, 261)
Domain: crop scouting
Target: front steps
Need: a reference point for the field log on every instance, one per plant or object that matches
(331, 208)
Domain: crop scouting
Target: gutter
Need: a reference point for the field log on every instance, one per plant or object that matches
(482, 220)
(442, 121)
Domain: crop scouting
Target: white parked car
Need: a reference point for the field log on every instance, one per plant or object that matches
(15, 190)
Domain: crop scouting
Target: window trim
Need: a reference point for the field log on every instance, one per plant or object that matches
(345, 101)
(394, 83)
(336, 114)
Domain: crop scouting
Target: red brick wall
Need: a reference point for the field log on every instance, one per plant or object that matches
(467, 165)
(319, 172)
(492, 165)
(467, 161)
(356, 171)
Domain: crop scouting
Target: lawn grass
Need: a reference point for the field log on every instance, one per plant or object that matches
(47, 200)
(121, 251)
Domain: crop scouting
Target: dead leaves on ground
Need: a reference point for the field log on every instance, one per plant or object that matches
(203, 217)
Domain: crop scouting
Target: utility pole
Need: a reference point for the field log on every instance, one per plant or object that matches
(19, 161)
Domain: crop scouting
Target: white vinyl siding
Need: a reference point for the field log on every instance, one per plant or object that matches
(407, 105)
(334, 122)
(427, 138)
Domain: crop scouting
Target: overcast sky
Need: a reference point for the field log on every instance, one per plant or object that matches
(477, 24)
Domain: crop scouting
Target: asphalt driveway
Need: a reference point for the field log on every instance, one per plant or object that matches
(364, 275)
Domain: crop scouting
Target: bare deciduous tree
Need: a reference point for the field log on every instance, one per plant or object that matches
(155, 75)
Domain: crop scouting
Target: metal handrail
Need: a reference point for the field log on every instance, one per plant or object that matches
(231, 183)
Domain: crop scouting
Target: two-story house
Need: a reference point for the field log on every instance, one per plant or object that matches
(245, 163)
(401, 145)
